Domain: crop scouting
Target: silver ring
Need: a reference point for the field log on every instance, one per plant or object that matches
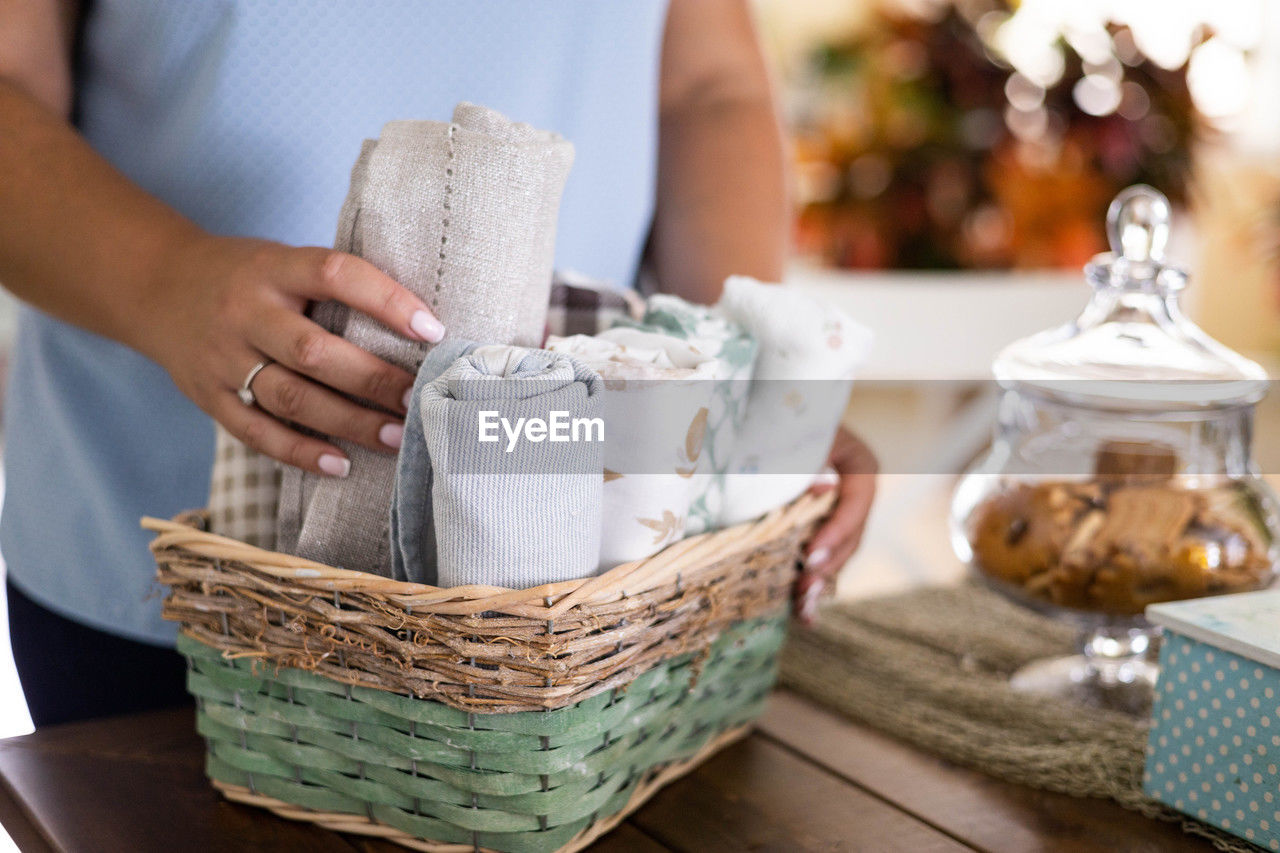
(245, 392)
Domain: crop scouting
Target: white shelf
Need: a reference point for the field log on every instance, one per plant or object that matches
(944, 325)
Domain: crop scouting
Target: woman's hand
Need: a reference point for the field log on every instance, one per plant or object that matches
(835, 542)
(228, 303)
(82, 243)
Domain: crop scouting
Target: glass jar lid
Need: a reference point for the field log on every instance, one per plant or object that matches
(1132, 347)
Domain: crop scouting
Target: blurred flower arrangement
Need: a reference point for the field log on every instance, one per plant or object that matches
(980, 134)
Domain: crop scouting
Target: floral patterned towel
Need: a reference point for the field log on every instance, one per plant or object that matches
(713, 334)
(658, 392)
(808, 353)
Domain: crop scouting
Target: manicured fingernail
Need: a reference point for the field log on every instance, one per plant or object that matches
(391, 435)
(334, 466)
(818, 557)
(809, 602)
(407, 398)
(828, 478)
(426, 327)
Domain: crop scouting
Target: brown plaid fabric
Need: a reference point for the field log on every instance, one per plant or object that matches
(244, 493)
(581, 306)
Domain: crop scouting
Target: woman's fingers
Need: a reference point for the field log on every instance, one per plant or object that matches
(327, 274)
(837, 539)
(306, 348)
(840, 536)
(314, 368)
(809, 589)
(293, 398)
(237, 301)
(265, 434)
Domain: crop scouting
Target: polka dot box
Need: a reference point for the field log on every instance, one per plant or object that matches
(1214, 748)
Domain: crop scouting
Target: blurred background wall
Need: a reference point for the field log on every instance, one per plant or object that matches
(990, 135)
(952, 162)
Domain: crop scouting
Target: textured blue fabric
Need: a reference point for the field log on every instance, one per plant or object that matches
(246, 115)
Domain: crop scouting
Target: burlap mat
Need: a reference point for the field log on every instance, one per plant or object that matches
(931, 667)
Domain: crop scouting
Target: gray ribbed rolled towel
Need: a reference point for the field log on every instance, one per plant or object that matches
(464, 215)
(412, 533)
(512, 513)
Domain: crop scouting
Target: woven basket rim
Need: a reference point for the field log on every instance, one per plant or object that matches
(685, 557)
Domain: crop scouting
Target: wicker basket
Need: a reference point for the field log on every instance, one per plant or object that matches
(475, 717)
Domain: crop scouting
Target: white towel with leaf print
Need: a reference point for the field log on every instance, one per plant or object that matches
(658, 392)
(808, 354)
(707, 330)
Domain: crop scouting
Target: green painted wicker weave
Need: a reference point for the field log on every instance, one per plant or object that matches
(525, 782)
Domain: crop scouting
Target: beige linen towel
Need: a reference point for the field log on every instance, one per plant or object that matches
(464, 215)
(245, 488)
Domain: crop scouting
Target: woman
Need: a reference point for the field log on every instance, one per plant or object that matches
(161, 160)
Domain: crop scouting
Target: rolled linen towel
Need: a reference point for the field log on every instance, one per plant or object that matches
(808, 354)
(464, 215)
(708, 331)
(513, 513)
(296, 488)
(411, 531)
(250, 497)
(658, 394)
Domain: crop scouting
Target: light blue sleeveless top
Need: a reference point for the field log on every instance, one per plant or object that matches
(246, 115)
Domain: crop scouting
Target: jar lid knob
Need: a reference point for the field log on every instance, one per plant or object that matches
(1138, 224)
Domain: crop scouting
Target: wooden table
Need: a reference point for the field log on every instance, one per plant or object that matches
(806, 780)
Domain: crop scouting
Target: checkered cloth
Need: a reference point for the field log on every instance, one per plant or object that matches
(244, 492)
(581, 306)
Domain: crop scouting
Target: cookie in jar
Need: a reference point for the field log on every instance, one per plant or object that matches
(1133, 535)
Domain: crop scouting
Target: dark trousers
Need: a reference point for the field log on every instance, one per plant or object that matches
(70, 671)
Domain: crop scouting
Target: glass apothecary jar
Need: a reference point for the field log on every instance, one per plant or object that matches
(1120, 473)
